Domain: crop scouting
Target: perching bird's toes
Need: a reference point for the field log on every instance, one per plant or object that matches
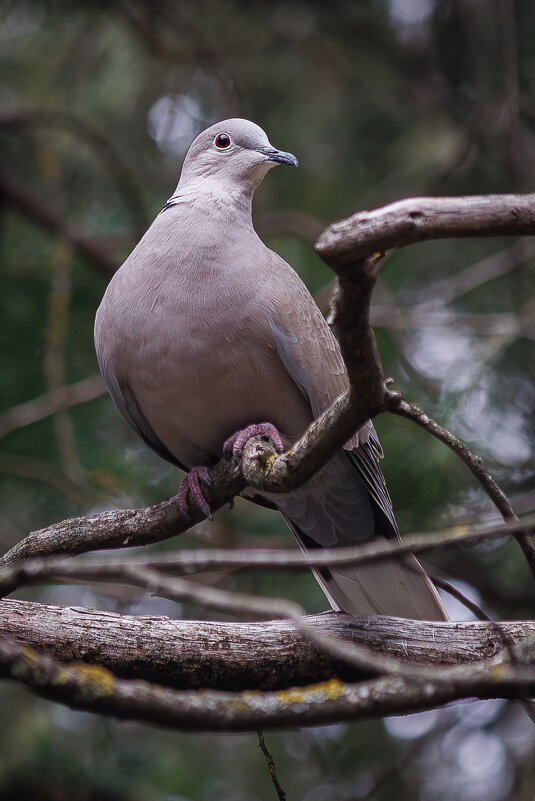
(233, 447)
(190, 493)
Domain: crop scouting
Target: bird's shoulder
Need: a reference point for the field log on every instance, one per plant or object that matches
(306, 344)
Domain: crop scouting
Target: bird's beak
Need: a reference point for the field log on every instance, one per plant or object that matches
(279, 156)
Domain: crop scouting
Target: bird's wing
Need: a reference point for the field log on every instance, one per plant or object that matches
(311, 355)
(127, 404)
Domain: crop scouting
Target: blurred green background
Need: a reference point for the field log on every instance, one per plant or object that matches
(380, 100)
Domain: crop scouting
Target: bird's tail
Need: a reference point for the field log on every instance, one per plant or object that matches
(398, 587)
(347, 503)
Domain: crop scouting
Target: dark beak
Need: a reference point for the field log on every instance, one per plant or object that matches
(278, 155)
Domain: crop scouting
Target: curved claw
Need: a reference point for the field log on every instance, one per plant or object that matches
(233, 447)
(190, 491)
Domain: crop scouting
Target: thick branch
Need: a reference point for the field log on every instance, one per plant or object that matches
(124, 528)
(267, 655)
(424, 218)
(98, 690)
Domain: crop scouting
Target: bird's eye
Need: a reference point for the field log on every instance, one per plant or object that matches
(222, 141)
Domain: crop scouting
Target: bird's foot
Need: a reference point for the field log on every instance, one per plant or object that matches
(190, 494)
(233, 447)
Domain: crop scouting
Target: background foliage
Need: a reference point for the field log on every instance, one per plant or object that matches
(379, 100)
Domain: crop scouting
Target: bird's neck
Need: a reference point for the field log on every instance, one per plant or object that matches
(207, 191)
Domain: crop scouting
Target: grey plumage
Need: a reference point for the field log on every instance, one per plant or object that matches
(204, 330)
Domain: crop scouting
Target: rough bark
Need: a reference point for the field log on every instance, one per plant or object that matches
(423, 218)
(187, 654)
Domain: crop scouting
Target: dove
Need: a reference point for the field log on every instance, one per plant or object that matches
(206, 337)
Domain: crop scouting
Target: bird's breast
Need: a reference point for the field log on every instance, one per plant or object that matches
(199, 361)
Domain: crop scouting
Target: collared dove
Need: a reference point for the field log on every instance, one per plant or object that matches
(204, 332)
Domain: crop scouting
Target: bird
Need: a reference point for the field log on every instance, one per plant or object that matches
(205, 337)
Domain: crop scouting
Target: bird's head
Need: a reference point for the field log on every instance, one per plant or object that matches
(234, 153)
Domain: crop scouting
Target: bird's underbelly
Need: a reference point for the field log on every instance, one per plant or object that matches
(197, 391)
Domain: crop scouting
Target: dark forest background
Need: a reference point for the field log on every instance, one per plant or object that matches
(379, 100)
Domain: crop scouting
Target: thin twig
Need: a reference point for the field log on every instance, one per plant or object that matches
(44, 565)
(397, 405)
(455, 592)
(51, 402)
(270, 762)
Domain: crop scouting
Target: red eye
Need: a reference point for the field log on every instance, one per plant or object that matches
(222, 141)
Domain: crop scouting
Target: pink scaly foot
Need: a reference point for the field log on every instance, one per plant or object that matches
(190, 493)
(233, 447)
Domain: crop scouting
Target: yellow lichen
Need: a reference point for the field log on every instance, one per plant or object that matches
(265, 460)
(92, 678)
(325, 690)
(498, 671)
(458, 530)
(29, 654)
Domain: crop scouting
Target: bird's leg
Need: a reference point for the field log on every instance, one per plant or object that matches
(190, 492)
(233, 447)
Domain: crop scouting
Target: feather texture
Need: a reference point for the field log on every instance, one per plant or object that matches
(204, 330)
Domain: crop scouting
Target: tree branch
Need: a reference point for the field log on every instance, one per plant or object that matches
(18, 573)
(261, 468)
(267, 655)
(396, 404)
(96, 689)
(60, 398)
(423, 218)
(351, 248)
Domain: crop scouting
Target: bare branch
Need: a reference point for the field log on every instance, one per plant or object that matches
(443, 584)
(17, 573)
(125, 528)
(61, 398)
(251, 655)
(424, 218)
(261, 468)
(239, 603)
(270, 762)
(396, 404)
(97, 690)
(150, 577)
